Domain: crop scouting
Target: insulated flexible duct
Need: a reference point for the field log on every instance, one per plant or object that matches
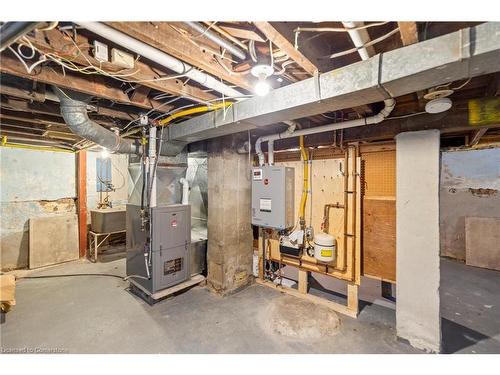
(74, 111)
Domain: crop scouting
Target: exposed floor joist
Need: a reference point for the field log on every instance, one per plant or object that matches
(55, 41)
(408, 32)
(398, 72)
(282, 43)
(168, 40)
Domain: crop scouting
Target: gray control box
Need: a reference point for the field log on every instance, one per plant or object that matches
(273, 194)
(169, 258)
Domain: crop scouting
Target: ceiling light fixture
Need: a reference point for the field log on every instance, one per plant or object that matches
(262, 71)
(438, 105)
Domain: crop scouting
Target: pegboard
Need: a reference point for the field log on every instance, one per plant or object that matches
(379, 178)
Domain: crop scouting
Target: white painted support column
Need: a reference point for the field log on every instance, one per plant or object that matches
(417, 239)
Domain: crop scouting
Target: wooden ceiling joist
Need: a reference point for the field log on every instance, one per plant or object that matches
(408, 32)
(282, 43)
(57, 42)
(167, 39)
(90, 84)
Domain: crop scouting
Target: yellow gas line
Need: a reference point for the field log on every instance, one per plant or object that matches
(32, 147)
(191, 111)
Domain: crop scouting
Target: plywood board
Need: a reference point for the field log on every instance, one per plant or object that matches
(379, 238)
(327, 187)
(52, 240)
(482, 239)
(379, 214)
(7, 292)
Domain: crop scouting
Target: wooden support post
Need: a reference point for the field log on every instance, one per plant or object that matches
(352, 298)
(303, 281)
(81, 177)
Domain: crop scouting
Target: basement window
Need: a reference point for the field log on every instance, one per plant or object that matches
(103, 175)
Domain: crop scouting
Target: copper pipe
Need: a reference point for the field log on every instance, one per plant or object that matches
(346, 211)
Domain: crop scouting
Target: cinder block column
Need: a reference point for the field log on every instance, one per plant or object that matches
(230, 250)
(417, 239)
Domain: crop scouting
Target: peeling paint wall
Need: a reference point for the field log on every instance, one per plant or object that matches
(470, 186)
(33, 184)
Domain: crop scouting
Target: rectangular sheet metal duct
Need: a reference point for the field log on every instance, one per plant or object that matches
(466, 53)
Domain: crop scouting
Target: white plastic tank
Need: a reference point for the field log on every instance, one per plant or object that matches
(325, 247)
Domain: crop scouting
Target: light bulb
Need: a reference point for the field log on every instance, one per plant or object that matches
(262, 88)
(104, 153)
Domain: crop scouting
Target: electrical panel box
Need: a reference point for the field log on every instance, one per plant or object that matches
(121, 58)
(100, 51)
(273, 193)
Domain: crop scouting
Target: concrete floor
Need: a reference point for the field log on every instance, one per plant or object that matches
(99, 315)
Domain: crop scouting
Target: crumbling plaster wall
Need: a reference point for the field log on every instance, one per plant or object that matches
(470, 186)
(42, 183)
(33, 184)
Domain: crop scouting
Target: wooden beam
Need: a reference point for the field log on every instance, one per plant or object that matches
(140, 94)
(476, 136)
(47, 113)
(57, 42)
(409, 32)
(303, 286)
(81, 175)
(282, 43)
(162, 36)
(493, 88)
(38, 104)
(335, 306)
(92, 84)
(242, 32)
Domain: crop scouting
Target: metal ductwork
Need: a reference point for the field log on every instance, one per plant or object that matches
(463, 54)
(74, 111)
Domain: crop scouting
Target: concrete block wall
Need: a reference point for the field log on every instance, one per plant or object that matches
(230, 250)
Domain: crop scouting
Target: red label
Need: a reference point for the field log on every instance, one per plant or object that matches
(266, 181)
(173, 223)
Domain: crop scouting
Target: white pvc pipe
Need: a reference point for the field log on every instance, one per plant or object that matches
(185, 190)
(159, 57)
(152, 162)
(359, 38)
(379, 117)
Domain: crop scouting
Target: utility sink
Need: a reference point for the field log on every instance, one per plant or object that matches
(107, 220)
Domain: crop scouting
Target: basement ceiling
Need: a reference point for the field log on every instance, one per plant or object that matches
(67, 55)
